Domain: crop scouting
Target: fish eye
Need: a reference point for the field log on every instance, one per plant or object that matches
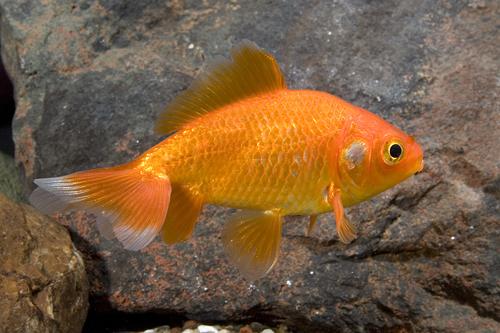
(393, 152)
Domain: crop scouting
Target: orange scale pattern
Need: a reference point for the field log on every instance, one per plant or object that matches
(265, 152)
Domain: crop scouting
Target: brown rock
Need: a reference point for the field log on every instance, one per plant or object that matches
(43, 285)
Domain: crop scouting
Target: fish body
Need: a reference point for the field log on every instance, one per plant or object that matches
(242, 139)
(277, 150)
(263, 153)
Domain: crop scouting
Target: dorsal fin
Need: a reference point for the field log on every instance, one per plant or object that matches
(251, 72)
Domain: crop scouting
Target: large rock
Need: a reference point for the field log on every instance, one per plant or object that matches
(43, 285)
(92, 76)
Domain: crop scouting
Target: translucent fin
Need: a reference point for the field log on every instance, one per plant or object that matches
(312, 224)
(345, 229)
(251, 72)
(183, 211)
(135, 204)
(252, 242)
(47, 202)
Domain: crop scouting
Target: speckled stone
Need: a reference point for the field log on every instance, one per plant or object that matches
(93, 76)
(43, 286)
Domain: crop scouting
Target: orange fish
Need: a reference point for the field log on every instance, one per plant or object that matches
(240, 138)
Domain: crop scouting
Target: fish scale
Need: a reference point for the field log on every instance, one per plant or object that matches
(243, 177)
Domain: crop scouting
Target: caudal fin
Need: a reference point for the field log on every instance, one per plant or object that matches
(134, 203)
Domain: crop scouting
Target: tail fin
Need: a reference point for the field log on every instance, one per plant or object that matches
(134, 203)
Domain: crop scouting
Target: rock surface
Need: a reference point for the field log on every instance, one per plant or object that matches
(10, 180)
(43, 285)
(94, 74)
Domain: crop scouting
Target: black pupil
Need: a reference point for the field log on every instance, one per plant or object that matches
(395, 151)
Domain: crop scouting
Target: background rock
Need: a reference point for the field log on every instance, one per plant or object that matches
(92, 76)
(10, 182)
(43, 286)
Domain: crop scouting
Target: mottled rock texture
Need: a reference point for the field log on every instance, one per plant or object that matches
(43, 285)
(10, 182)
(91, 77)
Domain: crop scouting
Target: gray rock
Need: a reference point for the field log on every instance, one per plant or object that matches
(10, 180)
(93, 76)
(43, 285)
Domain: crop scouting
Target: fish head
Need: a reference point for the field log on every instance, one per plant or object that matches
(376, 156)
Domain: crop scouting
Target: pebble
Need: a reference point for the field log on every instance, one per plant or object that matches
(257, 327)
(246, 329)
(190, 324)
(207, 329)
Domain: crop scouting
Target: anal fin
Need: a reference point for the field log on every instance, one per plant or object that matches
(185, 207)
(252, 241)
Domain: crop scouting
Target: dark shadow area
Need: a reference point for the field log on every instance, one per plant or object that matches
(101, 316)
(111, 322)
(7, 108)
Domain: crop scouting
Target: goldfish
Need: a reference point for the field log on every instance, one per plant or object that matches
(240, 138)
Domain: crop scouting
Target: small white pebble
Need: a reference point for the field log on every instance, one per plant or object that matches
(188, 330)
(311, 272)
(288, 283)
(207, 329)
(267, 330)
(329, 34)
(471, 227)
(205, 289)
(224, 331)
(452, 237)
(191, 46)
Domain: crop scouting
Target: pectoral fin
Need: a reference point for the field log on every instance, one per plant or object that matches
(345, 229)
(185, 207)
(252, 242)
